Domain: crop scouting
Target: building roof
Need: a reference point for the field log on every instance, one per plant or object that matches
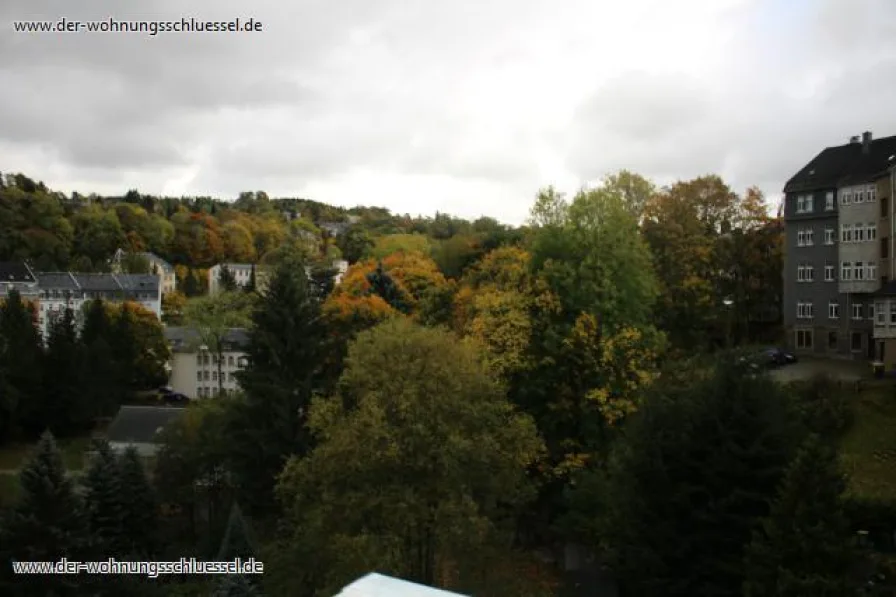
(378, 585)
(139, 282)
(185, 339)
(57, 281)
(98, 282)
(15, 271)
(233, 266)
(845, 164)
(141, 424)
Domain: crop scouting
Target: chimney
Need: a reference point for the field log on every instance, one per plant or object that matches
(866, 142)
(853, 139)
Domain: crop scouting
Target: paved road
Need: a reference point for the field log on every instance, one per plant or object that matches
(838, 369)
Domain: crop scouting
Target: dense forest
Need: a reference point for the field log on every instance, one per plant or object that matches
(471, 400)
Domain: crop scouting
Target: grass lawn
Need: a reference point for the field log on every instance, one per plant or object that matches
(869, 447)
(12, 456)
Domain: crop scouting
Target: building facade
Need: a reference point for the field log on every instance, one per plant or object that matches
(157, 267)
(885, 297)
(194, 370)
(837, 219)
(242, 273)
(58, 291)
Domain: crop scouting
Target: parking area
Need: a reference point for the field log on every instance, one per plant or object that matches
(806, 368)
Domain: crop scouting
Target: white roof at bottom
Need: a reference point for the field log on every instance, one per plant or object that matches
(378, 585)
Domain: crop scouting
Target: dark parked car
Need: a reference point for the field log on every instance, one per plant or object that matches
(169, 396)
(776, 357)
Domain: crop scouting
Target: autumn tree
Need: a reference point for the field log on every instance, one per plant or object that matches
(173, 305)
(805, 546)
(395, 243)
(213, 317)
(433, 493)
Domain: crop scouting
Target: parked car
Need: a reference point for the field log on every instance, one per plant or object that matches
(169, 396)
(777, 357)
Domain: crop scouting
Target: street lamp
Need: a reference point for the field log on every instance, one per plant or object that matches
(728, 302)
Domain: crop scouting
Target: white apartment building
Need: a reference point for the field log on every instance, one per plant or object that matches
(242, 273)
(194, 366)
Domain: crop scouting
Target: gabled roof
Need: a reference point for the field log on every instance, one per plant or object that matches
(844, 165)
(57, 281)
(15, 271)
(378, 585)
(141, 424)
(185, 339)
(98, 282)
(139, 282)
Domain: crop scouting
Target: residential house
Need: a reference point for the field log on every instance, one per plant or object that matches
(832, 253)
(885, 297)
(242, 273)
(140, 427)
(334, 228)
(57, 291)
(379, 585)
(157, 266)
(17, 275)
(194, 365)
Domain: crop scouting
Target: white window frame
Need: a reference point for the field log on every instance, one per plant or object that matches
(810, 203)
(871, 271)
(829, 201)
(846, 270)
(801, 204)
(834, 310)
(830, 235)
(800, 238)
(880, 314)
(859, 234)
(857, 311)
(860, 196)
(810, 272)
(801, 273)
(810, 237)
(805, 310)
(871, 195)
(871, 233)
(845, 233)
(858, 270)
(829, 274)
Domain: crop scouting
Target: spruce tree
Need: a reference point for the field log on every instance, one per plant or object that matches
(46, 524)
(191, 285)
(383, 285)
(63, 406)
(689, 481)
(20, 362)
(140, 507)
(805, 546)
(103, 501)
(283, 371)
(123, 342)
(103, 393)
(236, 542)
(252, 286)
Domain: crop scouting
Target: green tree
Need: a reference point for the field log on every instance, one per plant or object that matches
(135, 263)
(634, 190)
(354, 244)
(97, 233)
(105, 391)
(140, 507)
(63, 408)
(227, 280)
(284, 369)
(237, 542)
(46, 524)
(421, 459)
(691, 478)
(213, 317)
(20, 360)
(103, 501)
(805, 546)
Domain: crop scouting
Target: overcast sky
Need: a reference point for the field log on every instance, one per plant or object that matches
(462, 106)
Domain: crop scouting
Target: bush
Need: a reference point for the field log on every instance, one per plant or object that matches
(824, 406)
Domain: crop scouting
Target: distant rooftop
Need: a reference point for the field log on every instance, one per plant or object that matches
(16, 271)
(185, 339)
